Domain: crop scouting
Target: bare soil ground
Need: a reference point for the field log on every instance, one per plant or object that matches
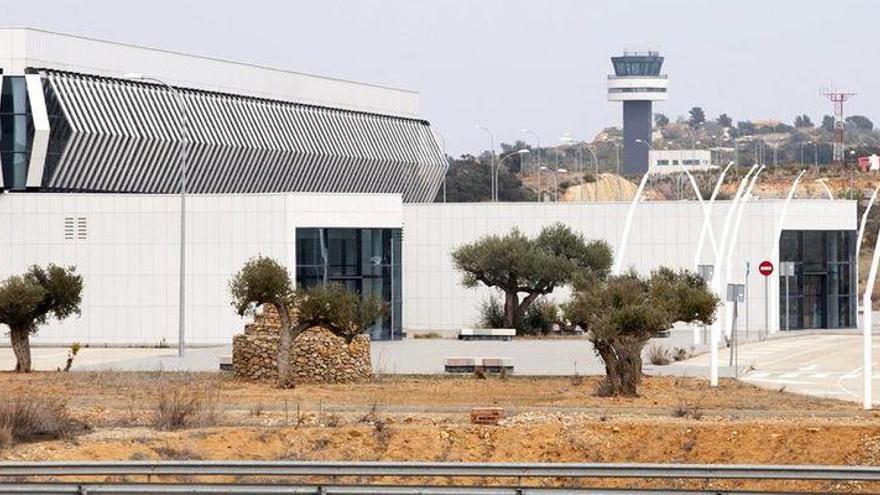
(415, 418)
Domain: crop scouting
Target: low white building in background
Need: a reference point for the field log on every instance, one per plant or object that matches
(671, 161)
(126, 248)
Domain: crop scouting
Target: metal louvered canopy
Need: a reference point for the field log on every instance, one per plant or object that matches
(116, 135)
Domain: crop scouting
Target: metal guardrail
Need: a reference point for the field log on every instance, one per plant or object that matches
(214, 489)
(440, 469)
(13, 475)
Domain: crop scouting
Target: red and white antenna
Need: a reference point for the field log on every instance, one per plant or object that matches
(837, 99)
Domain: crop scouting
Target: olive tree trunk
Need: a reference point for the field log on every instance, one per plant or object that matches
(623, 366)
(284, 341)
(21, 346)
(511, 305)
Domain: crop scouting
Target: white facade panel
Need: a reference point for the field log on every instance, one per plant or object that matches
(21, 48)
(129, 257)
(663, 233)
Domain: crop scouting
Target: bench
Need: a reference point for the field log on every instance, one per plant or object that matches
(225, 363)
(505, 334)
(474, 364)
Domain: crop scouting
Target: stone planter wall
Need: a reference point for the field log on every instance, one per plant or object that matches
(317, 355)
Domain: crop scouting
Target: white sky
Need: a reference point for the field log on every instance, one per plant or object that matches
(509, 64)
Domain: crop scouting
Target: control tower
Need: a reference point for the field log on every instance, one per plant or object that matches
(637, 82)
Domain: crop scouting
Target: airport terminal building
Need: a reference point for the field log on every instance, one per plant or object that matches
(334, 178)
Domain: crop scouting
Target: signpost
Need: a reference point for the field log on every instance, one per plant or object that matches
(786, 269)
(765, 268)
(736, 293)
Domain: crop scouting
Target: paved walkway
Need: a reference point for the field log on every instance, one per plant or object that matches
(411, 356)
(820, 364)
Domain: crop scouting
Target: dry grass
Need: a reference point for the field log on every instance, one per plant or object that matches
(185, 408)
(27, 419)
(130, 398)
(659, 355)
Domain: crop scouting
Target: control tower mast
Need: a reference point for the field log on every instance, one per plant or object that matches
(637, 83)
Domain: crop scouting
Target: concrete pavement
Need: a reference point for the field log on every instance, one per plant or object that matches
(824, 365)
(555, 356)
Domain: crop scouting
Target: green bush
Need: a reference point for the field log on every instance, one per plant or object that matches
(540, 317)
(492, 313)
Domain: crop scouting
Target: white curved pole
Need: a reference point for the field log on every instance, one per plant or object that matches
(827, 190)
(702, 205)
(715, 334)
(728, 264)
(865, 220)
(867, 330)
(621, 250)
(774, 248)
(707, 218)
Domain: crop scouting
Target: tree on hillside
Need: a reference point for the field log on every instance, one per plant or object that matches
(29, 300)
(802, 121)
(724, 120)
(621, 313)
(745, 127)
(696, 116)
(860, 122)
(516, 264)
(469, 179)
(661, 120)
(828, 123)
(263, 280)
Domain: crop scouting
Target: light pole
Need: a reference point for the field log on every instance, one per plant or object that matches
(538, 148)
(445, 159)
(505, 157)
(182, 159)
(553, 172)
(596, 172)
(492, 192)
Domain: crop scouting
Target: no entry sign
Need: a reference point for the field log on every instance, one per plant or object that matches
(765, 268)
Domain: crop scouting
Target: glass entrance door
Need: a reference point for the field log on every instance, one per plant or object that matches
(814, 301)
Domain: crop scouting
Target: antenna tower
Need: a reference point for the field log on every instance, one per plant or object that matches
(837, 99)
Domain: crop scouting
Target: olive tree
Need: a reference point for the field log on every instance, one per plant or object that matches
(31, 299)
(516, 264)
(623, 312)
(263, 280)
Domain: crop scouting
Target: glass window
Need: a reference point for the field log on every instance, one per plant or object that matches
(17, 133)
(366, 261)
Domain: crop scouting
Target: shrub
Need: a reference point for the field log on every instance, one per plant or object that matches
(428, 335)
(27, 419)
(492, 313)
(680, 354)
(540, 317)
(659, 355)
(181, 408)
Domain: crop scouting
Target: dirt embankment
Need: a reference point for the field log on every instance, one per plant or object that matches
(548, 420)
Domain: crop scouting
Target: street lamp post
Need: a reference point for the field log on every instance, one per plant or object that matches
(182, 162)
(538, 148)
(493, 192)
(553, 172)
(595, 172)
(505, 157)
(445, 159)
